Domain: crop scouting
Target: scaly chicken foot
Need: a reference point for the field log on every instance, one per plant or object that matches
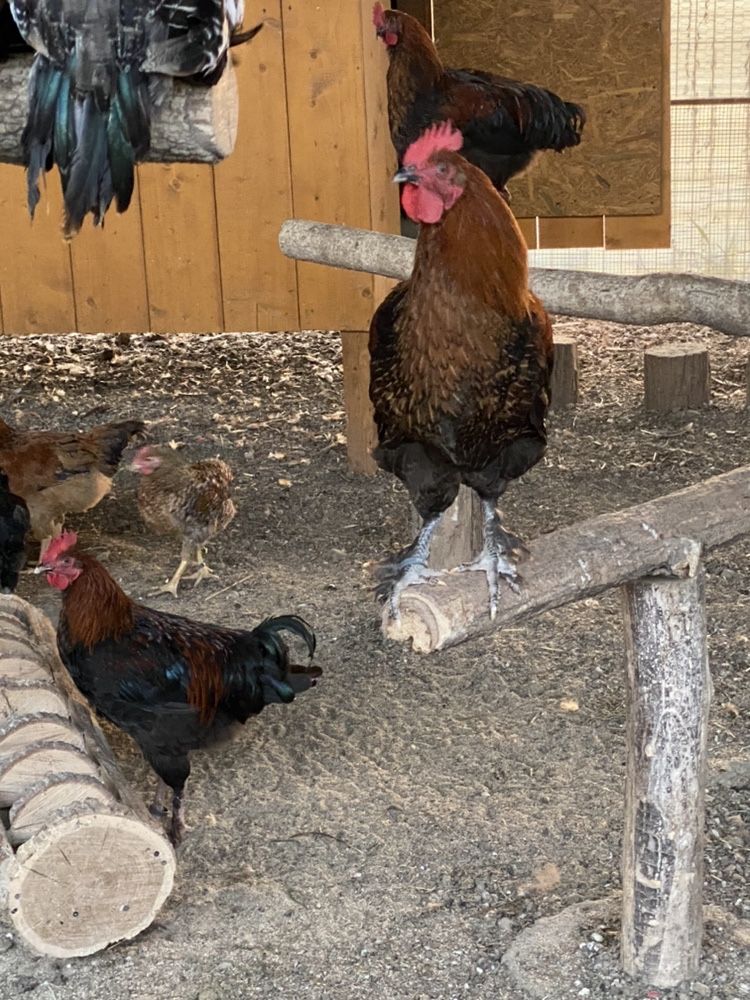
(158, 807)
(496, 558)
(203, 571)
(409, 567)
(178, 827)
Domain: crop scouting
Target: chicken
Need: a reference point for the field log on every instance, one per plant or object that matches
(504, 123)
(14, 526)
(100, 69)
(58, 473)
(460, 359)
(193, 501)
(172, 684)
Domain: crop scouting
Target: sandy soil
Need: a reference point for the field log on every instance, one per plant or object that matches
(394, 831)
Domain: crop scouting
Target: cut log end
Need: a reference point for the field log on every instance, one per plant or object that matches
(55, 883)
(676, 377)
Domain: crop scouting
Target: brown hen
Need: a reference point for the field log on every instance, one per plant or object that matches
(59, 473)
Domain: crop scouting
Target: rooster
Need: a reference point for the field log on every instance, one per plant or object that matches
(14, 526)
(504, 123)
(100, 69)
(58, 473)
(173, 684)
(192, 500)
(460, 359)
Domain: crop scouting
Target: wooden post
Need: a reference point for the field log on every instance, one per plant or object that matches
(564, 373)
(670, 692)
(747, 376)
(677, 377)
(458, 538)
(361, 434)
(91, 866)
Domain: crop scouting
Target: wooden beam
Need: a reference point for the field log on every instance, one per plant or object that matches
(577, 562)
(669, 697)
(89, 870)
(195, 124)
(646, 299)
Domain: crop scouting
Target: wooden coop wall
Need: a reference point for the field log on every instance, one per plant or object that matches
(197, 251)
(613, 191)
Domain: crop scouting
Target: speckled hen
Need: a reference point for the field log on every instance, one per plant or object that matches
(190, 500)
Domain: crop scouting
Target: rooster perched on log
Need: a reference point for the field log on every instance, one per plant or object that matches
(460, 358)
(100, 69)
(504, 123)
(172, 684)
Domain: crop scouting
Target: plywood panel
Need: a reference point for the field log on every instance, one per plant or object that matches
(253, 188)
(528, 229)
(582, 232)
(178, 211)
(109, 274)
(35, 274)
(603, 54)
(330, 183)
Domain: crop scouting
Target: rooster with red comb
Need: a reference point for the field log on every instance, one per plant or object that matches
(460, 360)
(173, 684)
(505, 123)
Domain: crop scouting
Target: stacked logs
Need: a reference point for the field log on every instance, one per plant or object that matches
(81, 863)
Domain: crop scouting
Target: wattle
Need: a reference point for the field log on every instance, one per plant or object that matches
(58, 580)
(422, 205)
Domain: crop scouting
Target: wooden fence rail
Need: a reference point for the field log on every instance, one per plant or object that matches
(647, 299)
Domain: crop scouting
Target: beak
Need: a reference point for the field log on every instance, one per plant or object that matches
(41, 569)
(406, 175)
(380, 32)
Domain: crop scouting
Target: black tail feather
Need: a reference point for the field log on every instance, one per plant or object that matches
(282, 681)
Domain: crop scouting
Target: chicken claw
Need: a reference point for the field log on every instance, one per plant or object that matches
(496, 560)
(405, 569)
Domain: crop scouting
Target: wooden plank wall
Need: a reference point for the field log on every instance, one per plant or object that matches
(197, 251)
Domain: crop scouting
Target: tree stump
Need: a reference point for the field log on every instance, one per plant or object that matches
(458, 537)
(670, 694)
(91, 867)
(564, 374)
(677, 377)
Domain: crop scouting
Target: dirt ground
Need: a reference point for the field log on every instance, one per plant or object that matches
(396, 831)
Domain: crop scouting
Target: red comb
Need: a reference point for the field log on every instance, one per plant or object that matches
(57, 546)
(377, 15)
(440, 136)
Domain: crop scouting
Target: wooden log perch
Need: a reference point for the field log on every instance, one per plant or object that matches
(648, 299)
(577, 562)
(669, 698)
(564, 388)
(193, 124)
(676, 377)
(90, 867)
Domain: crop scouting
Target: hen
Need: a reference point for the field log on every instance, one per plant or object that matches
(193, 501)
(101, 67)
(14, 526)
(460, 358)
(58, 473)
(504, 123)
(172, 684)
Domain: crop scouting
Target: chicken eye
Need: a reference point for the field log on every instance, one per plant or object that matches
(442, 169)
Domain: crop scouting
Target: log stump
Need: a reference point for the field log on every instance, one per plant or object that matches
(82, 864)
(677, 377)
(564, 391)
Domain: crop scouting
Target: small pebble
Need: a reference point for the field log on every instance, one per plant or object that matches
(596, 936)
(701, 989)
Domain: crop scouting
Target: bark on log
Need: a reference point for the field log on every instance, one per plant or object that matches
(669, 698)
(676, 377)
(564, 389)
(648, 299)
(92, 867)
(576, 562)
(193, 124)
